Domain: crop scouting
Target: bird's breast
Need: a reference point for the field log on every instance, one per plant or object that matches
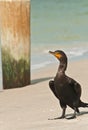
(62, 87)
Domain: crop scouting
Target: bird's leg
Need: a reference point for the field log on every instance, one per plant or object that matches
(77, 110)
(75, 104)
(63, 106)
(63, 112)
(73, 116)
(62, 116)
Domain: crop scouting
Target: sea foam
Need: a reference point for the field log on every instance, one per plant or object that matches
(45, 59)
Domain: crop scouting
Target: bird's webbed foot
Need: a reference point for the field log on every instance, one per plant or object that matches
(61, 117)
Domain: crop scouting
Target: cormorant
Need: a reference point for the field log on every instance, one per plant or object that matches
(66, 89)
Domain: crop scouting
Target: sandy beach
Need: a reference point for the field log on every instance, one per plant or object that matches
(30, 107)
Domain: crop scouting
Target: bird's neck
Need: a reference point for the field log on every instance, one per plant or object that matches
(62, 67)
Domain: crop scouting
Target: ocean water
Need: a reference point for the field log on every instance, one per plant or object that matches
(58, 24)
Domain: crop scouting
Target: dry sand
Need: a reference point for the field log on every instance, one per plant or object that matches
(29, 108)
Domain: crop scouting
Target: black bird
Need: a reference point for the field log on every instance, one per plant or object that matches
(66, 89)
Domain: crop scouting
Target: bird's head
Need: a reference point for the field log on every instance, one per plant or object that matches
(60, 55)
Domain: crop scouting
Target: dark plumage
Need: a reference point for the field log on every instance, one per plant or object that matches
(66, 89)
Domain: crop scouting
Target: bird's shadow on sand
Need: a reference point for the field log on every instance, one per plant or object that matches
(82, 113)
(68, 116)
(35, 81)
(78, 114)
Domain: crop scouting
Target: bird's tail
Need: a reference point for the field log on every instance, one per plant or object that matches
(82, 104)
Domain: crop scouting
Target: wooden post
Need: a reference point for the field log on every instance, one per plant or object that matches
(15, 42)
(1, 77)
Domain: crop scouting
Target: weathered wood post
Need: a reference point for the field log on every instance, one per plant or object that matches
(15, 42)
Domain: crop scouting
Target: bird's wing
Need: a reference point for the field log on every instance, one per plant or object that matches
(75, 86)
(51, 85)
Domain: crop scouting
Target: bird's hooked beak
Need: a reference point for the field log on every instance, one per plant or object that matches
(51, 52)
(57, 55)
